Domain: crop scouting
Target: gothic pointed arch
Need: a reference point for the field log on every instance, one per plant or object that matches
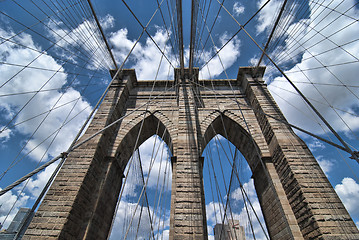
(136, 131)
(232, 127)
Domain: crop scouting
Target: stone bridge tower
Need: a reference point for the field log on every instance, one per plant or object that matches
(297, 200)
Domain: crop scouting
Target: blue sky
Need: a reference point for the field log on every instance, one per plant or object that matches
(328, 58)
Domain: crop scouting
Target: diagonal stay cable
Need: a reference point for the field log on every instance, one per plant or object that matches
(53, 31)
(233, 165)
(277, 119)
(42, 20)
(102, 34)
(48, 39)
(35, 94)
(271, 34)
(82, 28)
(96, 106)
(59, 23)
(45, 54)
(149, 35)
(205, 42)
(29, 215)
(314, 100)
(348, 149)
(45, 90)
(47, 113)
(114, 77)
(164, 22)
(180, 33)
(326, 100)
(327, 51)
(151, 164)
(76, 145)
(230, 39)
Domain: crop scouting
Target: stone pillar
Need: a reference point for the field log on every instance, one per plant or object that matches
(280, 220)
(318, 210)
(188, 214)
(81, 201)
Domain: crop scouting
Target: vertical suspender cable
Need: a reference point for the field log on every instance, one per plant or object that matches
(355, 154)
(102, 34)
(270, 36)
(180, 33)
(194, 13)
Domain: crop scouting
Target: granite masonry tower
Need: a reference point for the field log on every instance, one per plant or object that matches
(296, 198)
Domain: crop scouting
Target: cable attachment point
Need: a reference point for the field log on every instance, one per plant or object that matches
(355, 156)
(64, 154)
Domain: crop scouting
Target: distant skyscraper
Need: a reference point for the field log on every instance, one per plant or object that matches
(15, 225)
(230, 231)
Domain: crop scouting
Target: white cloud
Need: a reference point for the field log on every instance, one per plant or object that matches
(6, 204)
(316, 145)
(42, 102)
(348, 192)
(267, 16)
(248, 188)
(239, 211)
(5, 135)
(339, 97)
(257, 229)
(83, 41)
(325, 164)
(213, 213)
(36, 184)
(229, 55)
(240, 215)
(107, 22)
(126, 212)
(156, 150)
(145, 57)
(238, 8)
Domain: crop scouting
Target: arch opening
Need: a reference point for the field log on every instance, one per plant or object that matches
(231, 157)
(143, 204)
(231, 199)
(235, 133)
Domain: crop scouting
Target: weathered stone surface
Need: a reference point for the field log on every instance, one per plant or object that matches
(296, 198)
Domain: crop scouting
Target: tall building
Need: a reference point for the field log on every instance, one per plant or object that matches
(15, 225)
(230, 231)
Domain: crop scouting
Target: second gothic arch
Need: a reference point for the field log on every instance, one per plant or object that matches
(251, 146)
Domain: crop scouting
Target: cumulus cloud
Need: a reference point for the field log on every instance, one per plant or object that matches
(248, 188)
(36, 184)
(267, 16)
(7, 202)
(227, 56)
(156, 165)
(145, 57)
(328, 96)
(316, 145)
(127, 211)
(325, 164)
(36, 104)
(83, 41)
(4, 135)
(238, 8)
(348, 191)
(107, 22)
